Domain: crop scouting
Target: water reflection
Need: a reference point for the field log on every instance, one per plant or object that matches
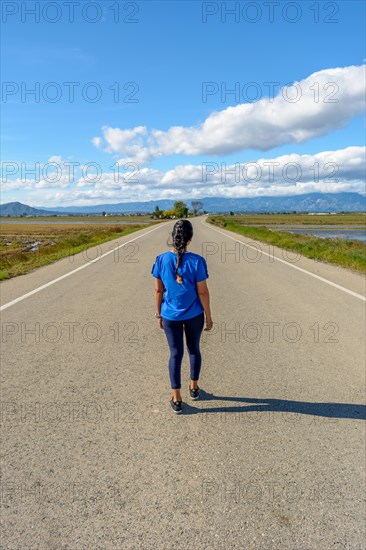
(352, 234)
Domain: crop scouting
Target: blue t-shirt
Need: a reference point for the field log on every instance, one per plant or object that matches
(181, 300)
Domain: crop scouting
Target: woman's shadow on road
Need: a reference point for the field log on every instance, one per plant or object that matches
(329, 410)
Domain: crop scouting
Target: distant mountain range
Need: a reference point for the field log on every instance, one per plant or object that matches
(311, 202)
(19, 209)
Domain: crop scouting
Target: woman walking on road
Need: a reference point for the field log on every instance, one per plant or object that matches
(182, 299)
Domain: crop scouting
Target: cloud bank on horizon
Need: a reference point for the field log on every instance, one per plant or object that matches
(323, 102)
(329, 171)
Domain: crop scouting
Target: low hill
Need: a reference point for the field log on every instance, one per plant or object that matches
(20, 209)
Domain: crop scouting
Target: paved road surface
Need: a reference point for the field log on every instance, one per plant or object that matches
(272, 458)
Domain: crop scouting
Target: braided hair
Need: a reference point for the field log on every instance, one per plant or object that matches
(181, 234)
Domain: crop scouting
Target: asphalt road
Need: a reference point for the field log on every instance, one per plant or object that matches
(272, 457)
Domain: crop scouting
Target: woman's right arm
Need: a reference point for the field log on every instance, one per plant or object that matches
(204, 296)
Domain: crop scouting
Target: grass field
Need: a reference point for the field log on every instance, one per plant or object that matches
(299, 219)
(19, 255)
(350, 254)
(87, 219)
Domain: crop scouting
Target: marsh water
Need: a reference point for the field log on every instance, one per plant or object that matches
(355, 233)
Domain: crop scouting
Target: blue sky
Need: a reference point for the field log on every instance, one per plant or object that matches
(168, 54)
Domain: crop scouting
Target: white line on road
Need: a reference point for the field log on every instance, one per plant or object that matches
(344, 289)
(13, 302)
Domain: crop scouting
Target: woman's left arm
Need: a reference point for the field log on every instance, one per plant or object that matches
(159, 291)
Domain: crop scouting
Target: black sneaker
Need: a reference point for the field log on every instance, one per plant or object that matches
(194, 393)
(176, 406)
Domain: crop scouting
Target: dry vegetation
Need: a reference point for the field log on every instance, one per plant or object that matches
(26, 246)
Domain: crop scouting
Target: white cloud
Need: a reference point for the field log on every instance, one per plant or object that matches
(97, 141)
(283, 175)
(55, 173)
(19, 184)
(118, 139)
(128, 141)
(326, 101)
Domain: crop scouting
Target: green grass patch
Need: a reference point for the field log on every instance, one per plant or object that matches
(346, 253)
(300, 219)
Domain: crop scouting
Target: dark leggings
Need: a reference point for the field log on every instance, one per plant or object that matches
(174, 334)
